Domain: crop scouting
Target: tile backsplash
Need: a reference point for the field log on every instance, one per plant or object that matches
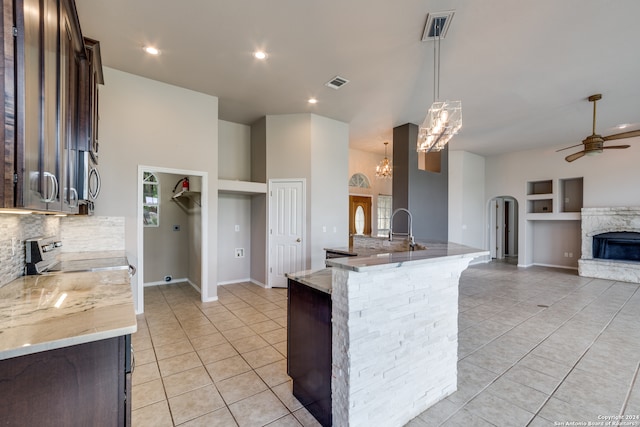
(78, 234)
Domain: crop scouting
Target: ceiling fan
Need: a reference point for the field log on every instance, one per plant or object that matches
(594, 143)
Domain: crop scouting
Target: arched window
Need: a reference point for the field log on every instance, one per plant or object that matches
(359, 180)
(150, 200)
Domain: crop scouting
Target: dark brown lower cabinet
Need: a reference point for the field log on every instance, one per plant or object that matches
(309, 348)
(81, 385)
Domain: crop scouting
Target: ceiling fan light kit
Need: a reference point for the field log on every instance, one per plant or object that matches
(594, 143)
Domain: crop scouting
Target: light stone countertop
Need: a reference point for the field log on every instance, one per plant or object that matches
(319, 279)
(45, 312)
(379, 259)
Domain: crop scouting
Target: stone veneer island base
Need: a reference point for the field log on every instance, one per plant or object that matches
(394, 333)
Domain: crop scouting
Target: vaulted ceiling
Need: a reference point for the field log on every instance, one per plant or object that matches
(522, 69)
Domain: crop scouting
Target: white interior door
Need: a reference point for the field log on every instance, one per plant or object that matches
(286, 230)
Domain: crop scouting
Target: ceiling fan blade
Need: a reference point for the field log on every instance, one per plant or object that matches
(574, 156)
(566, 148)
(618, 146)
(622, 135)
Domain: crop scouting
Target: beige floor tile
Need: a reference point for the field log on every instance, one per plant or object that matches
(274, 373)
(220, 315)
(284, 392)
(237, 333)
(220, 418)
(179, 363)
(275, 336)
(261, 357)
(174, 349)
(286, 421)
(145, 373)
(185, 381)
(141, 342)
(254, 318)
(194, 404)
(147, 393)
(266, 326)
(305, 418)
(240, 387)
(208, 341)
(155, 415)
(142, 357)
(228, 324)
(219, 352)
(200, 330)
(258, 410)
(227, 368)
(244, 345)
(281, 347)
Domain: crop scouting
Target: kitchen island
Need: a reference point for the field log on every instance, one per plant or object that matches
(394, 326)
(64, 349)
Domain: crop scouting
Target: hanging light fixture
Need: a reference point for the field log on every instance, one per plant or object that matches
(444, 118)
(383, 170)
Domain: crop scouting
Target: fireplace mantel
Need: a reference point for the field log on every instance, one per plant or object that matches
(603, 220)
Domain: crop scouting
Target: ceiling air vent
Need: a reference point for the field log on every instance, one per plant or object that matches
(336, 83)
(437, 25)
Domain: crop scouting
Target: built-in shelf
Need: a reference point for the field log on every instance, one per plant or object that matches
(241, 187)
(550, 199)
(193, 195)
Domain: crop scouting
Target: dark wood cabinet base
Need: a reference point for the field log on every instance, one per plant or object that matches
(309, 348)
(82, 385)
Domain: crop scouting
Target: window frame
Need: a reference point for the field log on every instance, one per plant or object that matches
(146, 206)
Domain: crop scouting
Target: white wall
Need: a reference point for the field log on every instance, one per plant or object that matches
(328, 187)
(610, 179)
(234, 210)
(466, 198)
(234, 151)
(315, 148)
(146, 122)
(365, 163)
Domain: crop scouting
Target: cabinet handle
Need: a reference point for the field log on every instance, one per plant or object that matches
(93, 192)
(133, 360)
(73, 198)
(132, 270)
(54, 187)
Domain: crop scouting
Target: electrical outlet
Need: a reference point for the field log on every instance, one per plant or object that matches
(237, 227)
(566, 254)
(324, 228)
(239, 252)
(570, 254)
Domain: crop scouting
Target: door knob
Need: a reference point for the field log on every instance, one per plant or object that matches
(298, 240)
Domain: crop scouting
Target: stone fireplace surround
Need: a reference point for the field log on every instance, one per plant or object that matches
(603, 220)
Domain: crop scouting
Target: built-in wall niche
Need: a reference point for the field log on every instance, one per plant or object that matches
(554, 199)
(540, 187)
(571, 194)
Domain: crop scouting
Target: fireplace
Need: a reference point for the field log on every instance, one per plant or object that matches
(611, 243)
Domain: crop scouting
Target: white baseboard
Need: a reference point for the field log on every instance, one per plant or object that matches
(231, 282)
(555, 266)
(211, 299)
(163, 282)
(255, 282)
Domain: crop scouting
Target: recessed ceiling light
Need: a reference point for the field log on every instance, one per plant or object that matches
(151, 50)
(623, 126)
(312, 101)
(260, 55)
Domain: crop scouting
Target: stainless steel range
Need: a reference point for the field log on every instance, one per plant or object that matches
(43, 256)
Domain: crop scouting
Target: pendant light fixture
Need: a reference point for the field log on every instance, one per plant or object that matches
(383, 170)
(444, 118)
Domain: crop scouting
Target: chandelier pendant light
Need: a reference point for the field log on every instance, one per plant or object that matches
(384, 169)
(444, 118)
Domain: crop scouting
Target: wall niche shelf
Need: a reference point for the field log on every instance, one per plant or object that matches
(241, 187)
(554, 199)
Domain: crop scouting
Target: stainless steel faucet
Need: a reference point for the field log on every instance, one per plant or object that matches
(409, 234)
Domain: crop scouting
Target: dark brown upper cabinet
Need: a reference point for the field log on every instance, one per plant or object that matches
(43, 111)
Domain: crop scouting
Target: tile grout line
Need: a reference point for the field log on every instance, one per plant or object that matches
(529, 352)
(584, 352)
(628, 396)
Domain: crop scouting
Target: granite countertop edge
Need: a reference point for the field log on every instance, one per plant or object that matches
(97, 305)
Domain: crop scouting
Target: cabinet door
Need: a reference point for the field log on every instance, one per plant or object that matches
(33, 186)
(68, 109)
